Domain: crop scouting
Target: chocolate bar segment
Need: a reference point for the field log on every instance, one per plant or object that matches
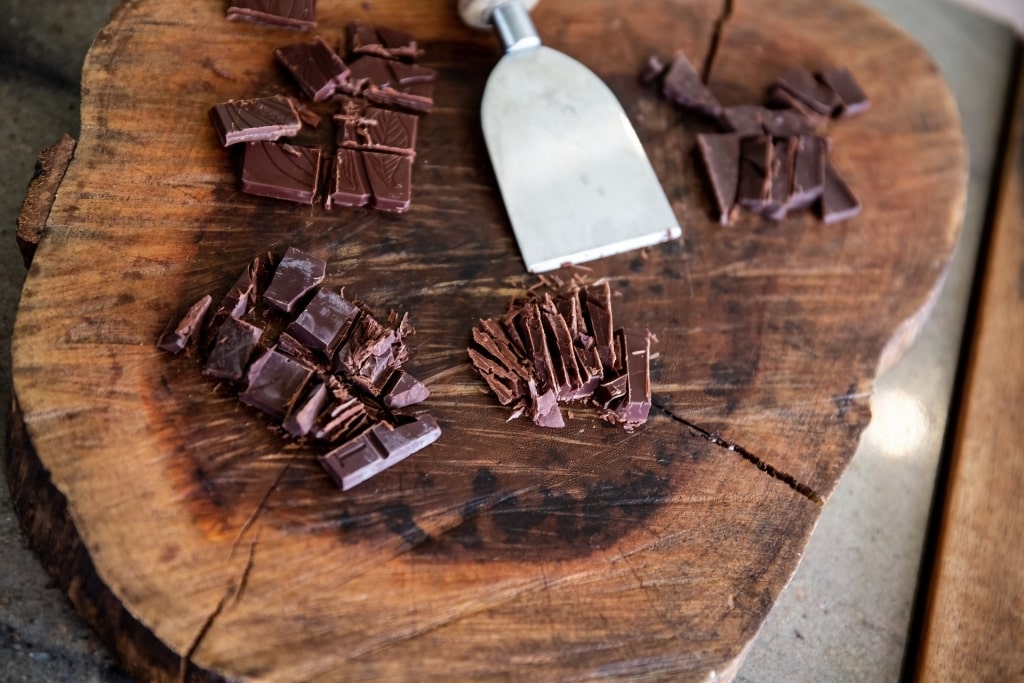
(349, 184)
(801, 85)
(275, 383)
(781, 178)
(262, 118)
(808, 171)
(317, 69)
(299, 15)
(404, 390)
(754, 190)
(597, 308)
(851, 96)
(682, 84)
(721, 156)
(296, 275)
(838, 203)
(377, 449)
(390, 177)
(281, 171)
(378, 130)
(233, 346)
(635, 407)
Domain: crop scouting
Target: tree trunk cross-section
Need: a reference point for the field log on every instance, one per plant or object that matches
(504, 550)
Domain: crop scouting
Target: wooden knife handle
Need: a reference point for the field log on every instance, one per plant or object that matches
(477, 13)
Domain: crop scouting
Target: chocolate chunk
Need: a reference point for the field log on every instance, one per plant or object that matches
(301, 419)
(682, 84)
(754, 189)
(234, 343)
(299, 15)
(317, 69)
(403, 390)
(390, 177)
(306, 115)
(325, 322)
(378, 130)
(246, 290)
(415, 97)
(808, 171)
(597, 308)
(838, 202)
(802, 85)
(373, 351)
(635, 407)
(781, 178)
(544, 409)
(721, 156)
(851, 97)
(608, 393)
(281, 171)
(344, 417)
(349, 184)
(377, 449)
(568, 380)
(188, 328)
(381, 42)
(296, 275)
(745, 119)
(539, 359)
(275, 383)
(263, 118)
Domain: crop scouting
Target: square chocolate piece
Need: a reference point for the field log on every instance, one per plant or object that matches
(234, 343)
(281, 171)
(721, 156)
(378, 130)
(325, 322)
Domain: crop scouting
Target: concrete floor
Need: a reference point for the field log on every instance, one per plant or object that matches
(835, 622)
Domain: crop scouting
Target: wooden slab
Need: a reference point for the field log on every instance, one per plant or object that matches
(975, 608)
(198, 542)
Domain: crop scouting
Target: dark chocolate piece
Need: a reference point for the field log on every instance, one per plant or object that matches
(851, 97)
(608, 393)
(682, 84)
(247, 289)
(234, 343)
(349, 184)
(416, 97)
(404, 390)
(281, 171)
(411, 74)
(597, 307)
(377, 449)
(378, 130)
(317, 69)
(838, 203)
(802, 85)
(781, 178)
(635, 406)
(786, 123)
(532, 331)
(344, 417)
(381, 42)
(653, 71)
(263, 118)
(368, 71)
(390, 177)
(299, 15)
(721, 156)
(754, 190)
(275, 383)
(373, 351)
(808, 171)
(325, 322)
(301, 420)
(296, 275)
(188, 328)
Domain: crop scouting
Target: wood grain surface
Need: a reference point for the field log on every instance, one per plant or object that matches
(975, 613)
(200, 543)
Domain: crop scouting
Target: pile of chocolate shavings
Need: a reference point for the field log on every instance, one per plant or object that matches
(375, 97)
(325, 369)
(770, 159)
(558, 346)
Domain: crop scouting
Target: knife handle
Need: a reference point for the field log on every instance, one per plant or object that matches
(477, 13)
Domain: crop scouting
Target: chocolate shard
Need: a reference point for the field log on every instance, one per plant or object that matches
(187, 330)
(783, 161)
(261, 118)
(390, 177)
(233, 345)
(299, 15)
(275, 383)
(838, 203)
(493, 337)
(373, 351)
(754, 189)
(568, 380)
(851, 96)
(653, 70)
(377, 449)
(597, 309)
(324, 324)
(682, 84)
(317, 69)
(296, 275)
(368, 71)
(281, 171)
(607, 393)
(301, 419)
(343, 417)
(808, 171)
(802, 85)
(404, 390)
(720, 154)
(544, 409)
(634, 407)
(349, 184)
(378, 130)
(411, 74)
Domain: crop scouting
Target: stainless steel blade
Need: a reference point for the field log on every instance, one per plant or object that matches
(576, 182)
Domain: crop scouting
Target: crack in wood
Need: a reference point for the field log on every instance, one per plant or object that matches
(716, 37)
(773, 472)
